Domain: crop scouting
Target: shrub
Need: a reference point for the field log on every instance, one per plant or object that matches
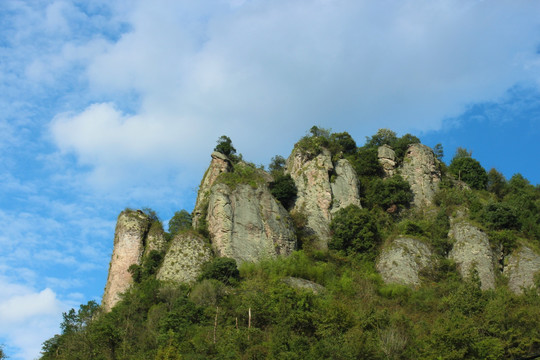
(180, 221)
(223, 269)
(284, 190)
(470, 171)
(354, 231)
(224, 146)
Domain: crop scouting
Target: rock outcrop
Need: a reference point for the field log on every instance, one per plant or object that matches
(402, 261)
(472, 250)
(421, 169)
(387, 159)
(183, 261)
(248, 224)
(129, 245)
(219, 165)
(322, 189)
(303, 284)
(521, 268)
(155, 240)
(344, 186)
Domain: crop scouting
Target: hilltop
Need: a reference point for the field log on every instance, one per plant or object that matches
(380, 251)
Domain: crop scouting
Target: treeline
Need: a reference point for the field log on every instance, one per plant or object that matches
(255, 313)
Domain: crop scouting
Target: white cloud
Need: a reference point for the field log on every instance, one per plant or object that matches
(263, 73)
(28, 318)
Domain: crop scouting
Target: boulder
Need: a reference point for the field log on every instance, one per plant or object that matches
(248, 224)
(183, 261)
(218, 165)
(402, 261)
(471, 250)
(129, 240)
(521, 267)
(387, 159)
(421, 169)
(303, 284)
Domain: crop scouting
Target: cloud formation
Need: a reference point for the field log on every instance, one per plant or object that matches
(263, 73)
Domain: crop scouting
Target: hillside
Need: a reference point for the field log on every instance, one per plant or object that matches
(338, 252)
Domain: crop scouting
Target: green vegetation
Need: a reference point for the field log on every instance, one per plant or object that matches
(251, 312)
(225, 146)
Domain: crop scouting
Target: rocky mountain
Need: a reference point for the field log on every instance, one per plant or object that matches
(238, 216)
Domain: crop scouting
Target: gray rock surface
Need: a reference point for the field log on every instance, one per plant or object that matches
(129, 239)
(155, 239)
(345, 187)
(248, 224)
(387, 159)
(317, 195)
(421, 169)
(472, 250)
(522, 265)
(402, 261)
(303, 284)
(183, 261)
(219, 164)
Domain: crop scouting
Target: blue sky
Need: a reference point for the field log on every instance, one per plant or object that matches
(113, 104)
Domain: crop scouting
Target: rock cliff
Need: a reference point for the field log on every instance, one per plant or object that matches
(472, 250)
(129, 245)
(218, 165)
(421, 169)
(402, 261)
(523, 264)
(248, 224)
(183, 261)
(322, 190)
(387, 159)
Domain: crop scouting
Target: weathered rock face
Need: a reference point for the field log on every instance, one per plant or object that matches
(129, 239)
(523, 264)
(155, 240)
(344, 188)
(402, 261)
(303, 284)
(183, 261)
(219, 164)
(420, 168)
(387, 159)
(248, 224)
(472, 250)
(317, 196)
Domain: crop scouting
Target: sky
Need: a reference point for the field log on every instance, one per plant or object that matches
(112, 104)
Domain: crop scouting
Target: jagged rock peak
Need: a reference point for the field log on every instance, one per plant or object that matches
(183, 261)
(402, 261)
(387, 159)
(472, 250)
(247, 223)
(129, 244)
(322, 190)
(421, 169)
(219, 164)
(521, 267)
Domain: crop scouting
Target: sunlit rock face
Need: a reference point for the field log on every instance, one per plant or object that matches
(129, 242)
(472, 250)
(420, 168)
(522, 265)
(248, 224)
(387, 159)
(218, 165)
(322, 190)
(402, 261)
(183, 261)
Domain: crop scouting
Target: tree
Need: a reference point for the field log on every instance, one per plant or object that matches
(277, 164)
(284, 190)
(354, 230)
(180, 221)
(224, 146)
(496, 183)
(223, 269)
(438, 151)
(470, 171)
(462, 153)
(382, 137)
(2, 354)
(342, 142)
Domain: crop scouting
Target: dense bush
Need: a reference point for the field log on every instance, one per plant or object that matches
(388, 192)
(180, 221)
(354, 230)
(223, 269)
(225, 146)
(284, 190)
